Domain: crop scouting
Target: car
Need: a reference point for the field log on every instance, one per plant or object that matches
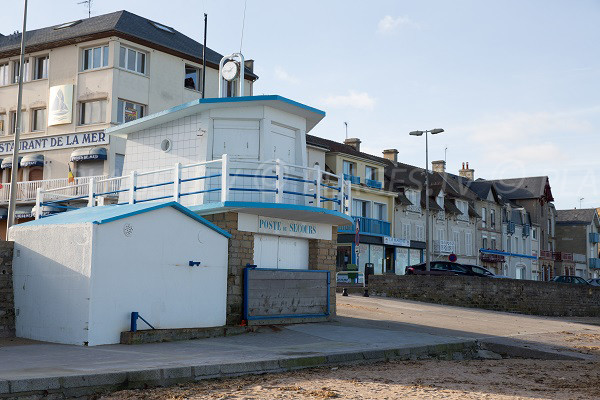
(575, 280)
(437, 268)
(594, 282)
(476, 270)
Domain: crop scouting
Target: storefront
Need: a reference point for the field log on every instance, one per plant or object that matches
(492, 262)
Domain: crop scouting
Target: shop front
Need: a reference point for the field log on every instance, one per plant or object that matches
(492, 262)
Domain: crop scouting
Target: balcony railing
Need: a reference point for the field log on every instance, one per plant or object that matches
(546, 254)
(373, 184)
(211, 181)
(27, 190)
(444, 247)
(594, 262)
(560, 256)
(441, 215)
(368, 226)
(352, 178)
(594, 237)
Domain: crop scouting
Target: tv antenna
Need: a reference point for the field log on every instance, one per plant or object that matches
(88, 3)
(346, 123)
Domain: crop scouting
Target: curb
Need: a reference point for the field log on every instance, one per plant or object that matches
(89, 384)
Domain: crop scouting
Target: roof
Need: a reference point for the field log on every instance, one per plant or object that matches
(576, 216)
(312, 115)
(123, 24)
(535, 187)
(105, 214)
(338, 147)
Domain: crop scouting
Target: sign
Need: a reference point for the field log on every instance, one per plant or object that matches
(61, 105)
(452, 257)
(56, 142)
(392, 241)
(283, 227)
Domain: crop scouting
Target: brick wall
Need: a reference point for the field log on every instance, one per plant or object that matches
(7, 305)
(527, 297)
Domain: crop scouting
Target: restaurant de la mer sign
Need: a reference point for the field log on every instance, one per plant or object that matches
(56, 142)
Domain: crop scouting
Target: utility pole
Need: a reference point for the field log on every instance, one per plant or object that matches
(15, 158)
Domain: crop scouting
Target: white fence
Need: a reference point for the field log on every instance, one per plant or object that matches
(206, 182)
(27, 190)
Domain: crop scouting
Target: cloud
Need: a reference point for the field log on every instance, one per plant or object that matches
(354, 99)
(389, 24)
(282, 75)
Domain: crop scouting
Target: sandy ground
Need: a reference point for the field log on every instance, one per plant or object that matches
(430, 379)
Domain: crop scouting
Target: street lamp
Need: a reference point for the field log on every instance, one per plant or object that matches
(427, 241)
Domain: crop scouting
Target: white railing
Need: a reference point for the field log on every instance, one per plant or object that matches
(206, 182)
(27, 190)
(444, 247)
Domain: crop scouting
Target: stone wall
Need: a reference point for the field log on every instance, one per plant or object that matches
(7, 304)
(321, 256)
(527, 297)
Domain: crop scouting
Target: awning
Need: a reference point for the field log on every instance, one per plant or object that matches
(7, 162)
(24, 212)
(96, 153)
(32, 160)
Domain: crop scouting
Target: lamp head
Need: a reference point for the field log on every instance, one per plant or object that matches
(436, 131)
(416, 133)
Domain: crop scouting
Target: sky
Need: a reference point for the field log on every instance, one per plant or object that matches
(515, 84)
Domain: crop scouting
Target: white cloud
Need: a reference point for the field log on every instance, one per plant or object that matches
(354, 99)
(282, 75)
(389, 24)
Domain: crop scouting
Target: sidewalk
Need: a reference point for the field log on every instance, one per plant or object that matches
(367, 330)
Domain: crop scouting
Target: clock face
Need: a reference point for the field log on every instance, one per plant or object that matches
(230, 70)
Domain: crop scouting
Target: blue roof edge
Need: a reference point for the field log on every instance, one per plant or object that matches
(215, 100)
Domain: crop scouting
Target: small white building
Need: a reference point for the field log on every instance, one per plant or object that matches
(79, 275)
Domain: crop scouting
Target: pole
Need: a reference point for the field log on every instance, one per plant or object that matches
(204, 56)
(15, 159)
(427, 241)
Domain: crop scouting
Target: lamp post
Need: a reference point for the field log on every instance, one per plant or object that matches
(427, 241)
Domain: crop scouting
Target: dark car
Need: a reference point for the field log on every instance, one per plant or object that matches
(594, 282)
(476, 270)
(437, 268)
(575, 280)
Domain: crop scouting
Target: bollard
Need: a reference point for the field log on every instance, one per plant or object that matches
(344, 292)
(366, 293)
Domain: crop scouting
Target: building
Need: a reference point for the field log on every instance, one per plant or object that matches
(577, 238)
(372, 205)
(84, 76)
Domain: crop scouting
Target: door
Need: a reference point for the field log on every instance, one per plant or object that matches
(284, 144)
(280, 252)
(236, 138)
(389, 260)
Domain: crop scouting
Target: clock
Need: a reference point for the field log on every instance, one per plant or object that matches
(230, 71)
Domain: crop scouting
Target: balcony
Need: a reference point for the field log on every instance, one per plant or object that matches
(352, 178)
(560, 256)
(441, 215)
(27, 190)
(367, 226)
(373, 184)
(594, 263)
(594, 237)
(546, 254)
(444, 247)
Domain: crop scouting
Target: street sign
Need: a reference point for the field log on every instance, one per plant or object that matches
(452, 257)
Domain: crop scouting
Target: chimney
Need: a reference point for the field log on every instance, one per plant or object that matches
(438, 166)
(391, 154)
(354, 142)
(250, 65)
(467, 172)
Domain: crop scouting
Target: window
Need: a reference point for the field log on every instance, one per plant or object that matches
(361, 208)
(493, 218)
(456, 235)
(4, 74)
(192, 78)
(41, 68)
(162, 27)
(38, 120)
(349, 168)
(508, 245)
(468, 244)
(379, 211)
(441, 234)
(483, 217)
(415, 198)
(440, 200)
(534, 233)
(67, 25)
(132, 60)
(493, 244)
(420, 232)
(2, 124)
(524, 246)
(92, 112)
(484, 243)
(370, 173)
(129, 111)
(17, 70)
(13, 122)
(96, 57)
(406, 231)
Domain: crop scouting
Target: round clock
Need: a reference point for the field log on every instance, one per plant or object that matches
(230, 71)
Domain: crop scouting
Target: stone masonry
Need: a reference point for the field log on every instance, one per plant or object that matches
(7, 304)
(241, 252)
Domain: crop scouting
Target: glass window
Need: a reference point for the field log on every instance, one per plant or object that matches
(95, 57)
(483, 217)
(131, 57)
(41, 68)
(348, 168)
(370, 173)
(493, 218)
(92, 112)
(129, 111)
(132, 60)
(17, 69)
(484, 243)
(38, 120)
(13, 122)
(4, 74)
(141, 63)
(192, 78)
(379, 211)
(122, 55)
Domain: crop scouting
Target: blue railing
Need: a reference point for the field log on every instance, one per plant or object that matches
(594, 237)
(367, 226)
(594, 262)
(373, 184)
(352, 178)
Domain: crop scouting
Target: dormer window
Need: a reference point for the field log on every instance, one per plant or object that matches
(67, 25)
(162, 27)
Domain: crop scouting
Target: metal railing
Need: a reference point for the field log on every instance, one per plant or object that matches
(352, 178)
(27, 190)
(373, 183)
(368, 226)
(213, 181)
(444, 247)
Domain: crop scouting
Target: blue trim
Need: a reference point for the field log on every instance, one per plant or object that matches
(503, 253)
(216, 100)
(283, 206)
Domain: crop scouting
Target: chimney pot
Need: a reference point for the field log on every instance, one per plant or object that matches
(467, 172)
(391, 154)
(438, 166)
(354, 142)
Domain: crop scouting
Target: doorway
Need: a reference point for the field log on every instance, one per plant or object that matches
(389, 260)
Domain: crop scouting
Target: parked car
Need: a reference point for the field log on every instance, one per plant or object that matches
(575, 280)
(476, 270)
(448, 268)
(594, 282)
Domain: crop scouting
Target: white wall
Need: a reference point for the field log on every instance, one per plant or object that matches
(51, 276)
(148, 272)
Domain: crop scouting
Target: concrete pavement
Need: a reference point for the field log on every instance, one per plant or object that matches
(367, 329)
